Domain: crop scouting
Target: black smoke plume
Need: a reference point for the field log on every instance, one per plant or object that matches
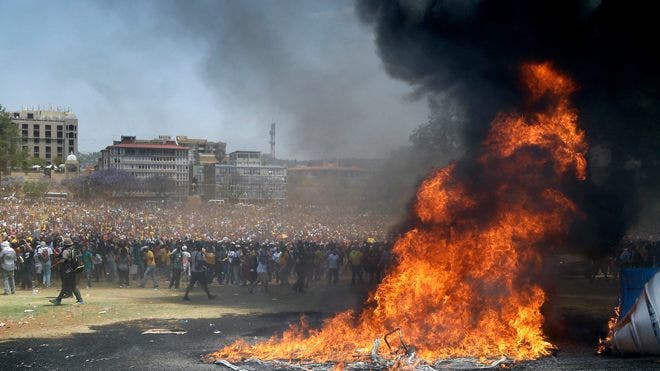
(473, 49)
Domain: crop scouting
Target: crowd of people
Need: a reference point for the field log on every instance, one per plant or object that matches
(146, 243)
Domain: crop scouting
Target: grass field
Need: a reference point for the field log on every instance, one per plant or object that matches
(29, 314)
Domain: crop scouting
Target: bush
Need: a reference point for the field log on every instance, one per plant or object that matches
(35, 189)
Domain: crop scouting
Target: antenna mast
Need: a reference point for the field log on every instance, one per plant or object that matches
(272, 140)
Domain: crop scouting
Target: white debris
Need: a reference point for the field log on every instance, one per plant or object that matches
(163, 331)
(229, 365)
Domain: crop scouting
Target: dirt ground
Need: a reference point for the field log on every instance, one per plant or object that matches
(106, 332)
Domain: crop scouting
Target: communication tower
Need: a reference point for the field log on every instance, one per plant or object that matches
(272, 140)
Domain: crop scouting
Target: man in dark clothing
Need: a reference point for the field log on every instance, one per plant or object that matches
(300, 265)
(67, 274)
(177, 267)
(197, 273)
(27, 253)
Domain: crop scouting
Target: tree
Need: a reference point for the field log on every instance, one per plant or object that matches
(161, 185)
(105, 183)
(57, 161)
(9, 149)
(35, 189)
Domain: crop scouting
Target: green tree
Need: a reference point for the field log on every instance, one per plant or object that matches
(9, 148)
(35, 189)
(57, 161)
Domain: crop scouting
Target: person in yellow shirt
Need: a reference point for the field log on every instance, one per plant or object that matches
(355, 259)
(150, 261)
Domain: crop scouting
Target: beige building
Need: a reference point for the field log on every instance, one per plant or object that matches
(149, 158)
(245, 178)
(47, 134)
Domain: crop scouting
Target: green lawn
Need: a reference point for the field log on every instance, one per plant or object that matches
(107, 304)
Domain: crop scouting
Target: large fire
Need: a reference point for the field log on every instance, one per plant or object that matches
(464, 282)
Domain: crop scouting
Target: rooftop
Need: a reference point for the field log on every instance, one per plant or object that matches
(148, 145)
(132, 142)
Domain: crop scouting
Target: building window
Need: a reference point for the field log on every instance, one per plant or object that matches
(59, 141)
(36, 140)
(24, 126)
(30, 116)
(48, 133)
(59, 134)
(36, 151)
(47, 149)
(17, 115)
(59, 150)
(70, 142)
(59, 127)
(24, 134)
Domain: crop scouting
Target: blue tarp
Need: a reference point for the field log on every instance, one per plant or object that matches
(632, 284)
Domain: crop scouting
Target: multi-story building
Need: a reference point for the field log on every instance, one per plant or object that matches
(244, 178)
(202, 152)
(47, 134)
(202, 147)
(245, 158)
(149, 158)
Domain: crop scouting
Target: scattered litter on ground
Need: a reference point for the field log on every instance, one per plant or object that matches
(28, 310)
(163, 331)
(229, 365)
(103, 312)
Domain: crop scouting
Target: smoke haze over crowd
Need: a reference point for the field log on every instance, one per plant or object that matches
(222, 70)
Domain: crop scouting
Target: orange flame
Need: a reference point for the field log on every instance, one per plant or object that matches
(463, 283)
(604, 344)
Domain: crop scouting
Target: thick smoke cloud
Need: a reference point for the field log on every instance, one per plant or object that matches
(298, 63)
(474, 48)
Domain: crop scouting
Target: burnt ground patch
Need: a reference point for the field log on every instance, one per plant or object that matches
(122, 345)
(583, 309)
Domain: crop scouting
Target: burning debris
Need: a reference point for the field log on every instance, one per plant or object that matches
(464, 286)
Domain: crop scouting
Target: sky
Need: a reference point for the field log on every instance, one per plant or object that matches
(221, 70)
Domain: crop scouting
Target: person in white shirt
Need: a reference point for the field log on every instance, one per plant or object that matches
(44, 256)
(7, 267)
(185, 262)
(262, 270)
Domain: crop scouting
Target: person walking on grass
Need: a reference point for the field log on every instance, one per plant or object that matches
(150, 262)
(7, 267)
(185, 263)
(68, 265)
(177, 267)
(89, 265)
(123, 266)
(44, 254)
(197, 273)
(262, 270)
